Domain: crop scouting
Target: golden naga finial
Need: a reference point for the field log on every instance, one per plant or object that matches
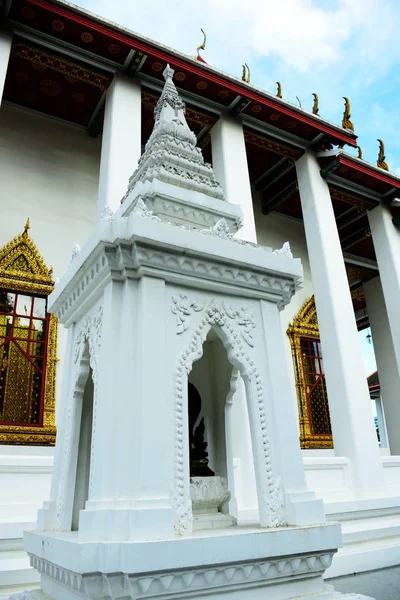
(27, 227)
(346, 123)
(203, 45)
(279, 92)
(359, 152)
(381, 157)
(246, 73)
(299, 101)
(315, 107)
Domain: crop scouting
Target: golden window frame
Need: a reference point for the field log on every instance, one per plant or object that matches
(305, 325)
(22, 269)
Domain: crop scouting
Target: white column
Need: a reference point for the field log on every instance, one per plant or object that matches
(389, 376)
(230, 167)
(121, 144)
(386, 239)
(349, 402)
(5, 49)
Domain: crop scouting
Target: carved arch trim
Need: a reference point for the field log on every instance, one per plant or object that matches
(216, 318)
(87, 340)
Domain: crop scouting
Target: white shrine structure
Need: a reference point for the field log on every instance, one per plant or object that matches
(139, 507)
(213, 415)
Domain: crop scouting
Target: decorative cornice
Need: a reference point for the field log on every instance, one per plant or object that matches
(131, 260)
(226, 578)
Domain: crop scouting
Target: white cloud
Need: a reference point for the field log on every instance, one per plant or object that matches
(303, 34)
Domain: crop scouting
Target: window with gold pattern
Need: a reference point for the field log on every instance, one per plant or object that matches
(314, 420)
(28, 345)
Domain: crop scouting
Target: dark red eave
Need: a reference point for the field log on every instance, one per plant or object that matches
(353, 170)
(336, 136)
(373, 382)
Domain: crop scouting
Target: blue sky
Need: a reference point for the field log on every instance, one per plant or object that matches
(335, 48)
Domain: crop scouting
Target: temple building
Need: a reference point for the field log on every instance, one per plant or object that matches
(77, 101)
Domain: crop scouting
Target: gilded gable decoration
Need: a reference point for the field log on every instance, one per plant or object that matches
(314, 420)
(28, 345)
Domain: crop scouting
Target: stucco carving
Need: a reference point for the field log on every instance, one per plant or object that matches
(223, 578)
(30, 595)
(107, 214)
(245, 320)
(216, 315)
(285, 251)
(75, 251)
(88, 333)
(182, 308)
(89, 330)
(209, 492)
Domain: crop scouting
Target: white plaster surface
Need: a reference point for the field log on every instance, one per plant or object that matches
(48, 172)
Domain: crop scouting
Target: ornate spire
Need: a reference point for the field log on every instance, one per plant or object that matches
(246, 73)
(315, 107)
(201, 47)
(27, 227)
(346, 123)
(171, 155)
(381, 157)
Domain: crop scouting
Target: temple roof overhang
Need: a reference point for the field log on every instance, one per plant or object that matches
(73, 32)
(63, 59)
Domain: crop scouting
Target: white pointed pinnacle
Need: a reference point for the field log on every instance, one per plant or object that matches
(168, 73)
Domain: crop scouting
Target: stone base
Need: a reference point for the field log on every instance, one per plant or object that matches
(214, 520)
(327, 594)
(242, 562)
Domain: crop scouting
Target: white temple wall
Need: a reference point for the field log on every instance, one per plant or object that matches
(49, 172)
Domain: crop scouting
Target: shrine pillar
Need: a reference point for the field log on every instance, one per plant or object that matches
(5, 50)
(231, 171)
(121, 144)
(351, 415)
(386, 238)
(385, 355)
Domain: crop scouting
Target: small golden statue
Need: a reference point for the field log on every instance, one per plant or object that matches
(360, 155)
(381, 157)
(346, 123)
(246, 73)
(315, 107)
(279, 92)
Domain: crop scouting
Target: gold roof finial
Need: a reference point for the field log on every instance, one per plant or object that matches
(246, 73)
(315, 107)
(359, 152)
(27, 227)
(381, 157)
(299, 101)
(203, 45)
(346, 123)
(279, 91)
